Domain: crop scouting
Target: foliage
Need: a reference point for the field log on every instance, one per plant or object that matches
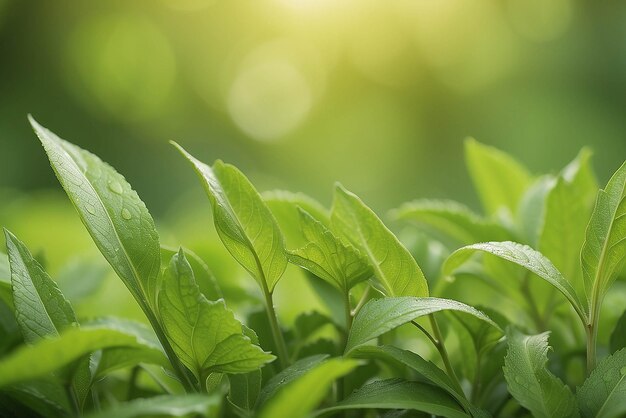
(467, 339)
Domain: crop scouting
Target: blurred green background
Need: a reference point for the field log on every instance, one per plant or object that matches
(298, 94)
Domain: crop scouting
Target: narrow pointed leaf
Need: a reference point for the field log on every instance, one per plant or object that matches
(243, 221)
(204, 277)
(499, 179)
(205, 335)
(400, 394)
(379, 316)
(117, 220)
(427, 369)
(288, 375)
(568, 207)
(394, 266)
(530, 381)
(603, 395)
(604, 249)
(451, 219)
(328, 258)
(46, 356)
(302, 395)
(526, 257)
(41, 309)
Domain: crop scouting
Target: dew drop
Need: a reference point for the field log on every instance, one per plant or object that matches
(623, 371)
(90, 209)
(126, 214)
(608, 376)
(519, 380)
(115, 187)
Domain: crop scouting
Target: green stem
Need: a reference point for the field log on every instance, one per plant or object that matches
(178, 367)
(279, 341)
(592, 337)
(341, 383)
(132, 381)
(438, 337)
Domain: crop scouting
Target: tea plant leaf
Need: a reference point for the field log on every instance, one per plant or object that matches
(48, 355)
(568, 206)
(394, 267)
(243, 221)
(452, 219)
(604, 249)
(205, 335)
(291, 373)
(204, 277)
(378, 316)
(618, 336)
(499, 179)
(285, 208)
(603, 395)
(424, 368)
(529, 380)
(400, 394)
(244, 391)
(298, 398)
(164, 405)
(328, 258)
(41, 310)
(526, 257)
(117, 220)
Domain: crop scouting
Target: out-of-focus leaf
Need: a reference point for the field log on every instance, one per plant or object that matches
(530, 381)
(400, 394)
(568, 207)
(243, 221)
(298, 398)
(603, 395)
(288, 375)
(382, 315)
(499, 179)
(452, 219)
(618, 336)
(165, 405)
(394, 267)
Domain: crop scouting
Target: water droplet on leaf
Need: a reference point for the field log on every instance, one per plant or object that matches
(126, 214)
(90, 209)
(623, 371)
(115, 187)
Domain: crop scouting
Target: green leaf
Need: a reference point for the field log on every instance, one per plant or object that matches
(424, 368)
(243, 221)
(618, 336)
(48, 355)
(568, 206)
(394, 267)
(41, 309)
(298, 398)
(288, 375)
(204, 277)
(530, 381)
(604, 249)
(452, 219)
(285, 208)
(117, 220)
(382, 315)
(526, 257)
(164, 405)
(328, 258)
(244, 391)
(500, 180)
(603, 395)
(400, 394)
(205, 335)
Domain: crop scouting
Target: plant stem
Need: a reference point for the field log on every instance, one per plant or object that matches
(279, 341)
(444, 353)
(341, 384)
(592, 337)
(178, 367)
(132, 381)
